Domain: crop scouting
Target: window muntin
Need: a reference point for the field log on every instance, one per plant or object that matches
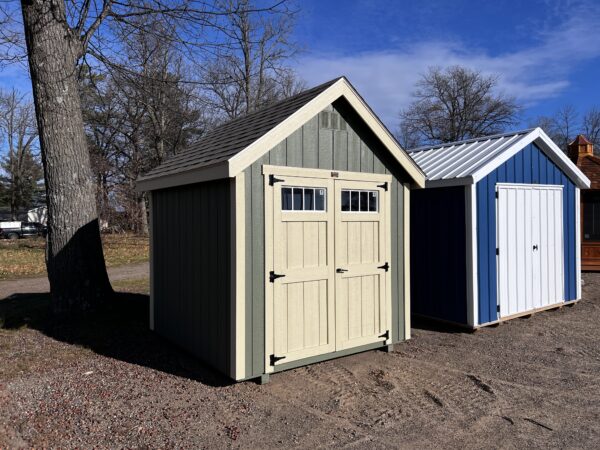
(298, 198)
(354, 200)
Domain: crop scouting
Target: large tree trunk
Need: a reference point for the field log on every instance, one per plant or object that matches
(75, 262)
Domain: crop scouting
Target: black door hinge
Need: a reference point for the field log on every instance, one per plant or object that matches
(273, 180)
(273, 276)
(274, 359)
(496, 194)
(385, 267)
(384, 186)
(497, 251)
(385, 335)
(498, 308)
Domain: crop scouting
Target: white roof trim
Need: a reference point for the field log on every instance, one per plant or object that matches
(240, 161)
(539, 137)
(507, 146)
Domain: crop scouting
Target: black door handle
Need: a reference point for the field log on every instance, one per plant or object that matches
(341, 270)
(535, 247)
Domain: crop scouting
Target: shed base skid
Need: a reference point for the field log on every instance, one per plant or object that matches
(530, 313)
(524, 314)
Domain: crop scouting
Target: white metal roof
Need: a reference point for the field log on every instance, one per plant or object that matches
(466, 162)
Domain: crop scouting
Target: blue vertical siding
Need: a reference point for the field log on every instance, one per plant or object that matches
(438, 253)
(530, 165)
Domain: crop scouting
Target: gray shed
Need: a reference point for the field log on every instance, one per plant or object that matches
(281, 238)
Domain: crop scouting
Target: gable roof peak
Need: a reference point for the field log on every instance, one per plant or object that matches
(231, 147)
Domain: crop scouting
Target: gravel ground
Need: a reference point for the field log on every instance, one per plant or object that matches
(531, 382)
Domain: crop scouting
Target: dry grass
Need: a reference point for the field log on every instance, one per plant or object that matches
(25, 257)
(135, 285)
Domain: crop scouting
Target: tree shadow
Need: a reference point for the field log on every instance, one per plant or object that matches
(428, 324)
(119, 329)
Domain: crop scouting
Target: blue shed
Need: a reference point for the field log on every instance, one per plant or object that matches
(495, 234)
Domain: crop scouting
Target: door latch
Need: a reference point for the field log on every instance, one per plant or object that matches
(535, 247)
(341, 270)
(273, 276)
(385, 267)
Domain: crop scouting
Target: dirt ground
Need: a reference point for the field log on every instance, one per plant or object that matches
(119, 274)
(108, 382)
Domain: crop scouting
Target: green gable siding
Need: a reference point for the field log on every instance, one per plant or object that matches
(313, 146)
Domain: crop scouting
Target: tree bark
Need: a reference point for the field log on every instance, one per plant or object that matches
(143, 215)
(75, 261)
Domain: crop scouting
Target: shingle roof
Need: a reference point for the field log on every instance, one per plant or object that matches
(467, 162)
(463, 158)
(234, 136)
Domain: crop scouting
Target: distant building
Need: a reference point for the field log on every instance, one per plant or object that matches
(581, 152)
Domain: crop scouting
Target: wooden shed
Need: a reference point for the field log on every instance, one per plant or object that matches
(495, 234)
(581, 152)
(281, 238)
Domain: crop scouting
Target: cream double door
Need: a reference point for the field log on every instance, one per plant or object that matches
(329, 287)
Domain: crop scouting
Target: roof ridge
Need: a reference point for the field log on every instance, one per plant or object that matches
(273, 105)
(467, 141)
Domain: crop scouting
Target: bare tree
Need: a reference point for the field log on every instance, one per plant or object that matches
(591, 127)
(250, 72)
(21, 165)
(566, 127)
(58, 36)
(456, 103)
(561, 127)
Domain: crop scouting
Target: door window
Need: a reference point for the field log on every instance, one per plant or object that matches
(359, 201)
(303, 198)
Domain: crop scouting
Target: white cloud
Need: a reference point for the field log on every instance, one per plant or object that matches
(386, 78)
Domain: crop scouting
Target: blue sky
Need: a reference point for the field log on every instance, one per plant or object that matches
(546, 53)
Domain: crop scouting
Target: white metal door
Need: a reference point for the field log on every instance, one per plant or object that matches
(530, 247)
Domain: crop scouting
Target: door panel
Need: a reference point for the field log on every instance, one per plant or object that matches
(303, 300)
(363, 310)
(529, 235)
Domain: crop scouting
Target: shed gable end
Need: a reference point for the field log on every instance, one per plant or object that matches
(318, 145)
(530, 166)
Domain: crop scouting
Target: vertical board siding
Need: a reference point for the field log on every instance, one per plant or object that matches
(313, 146)
(438, 253)
(191, 250)
(530, 165)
